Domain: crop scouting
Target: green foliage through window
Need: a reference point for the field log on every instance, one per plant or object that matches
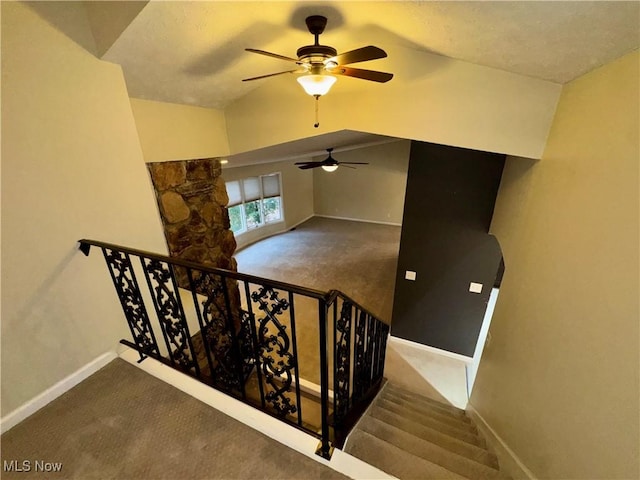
(258, 211)
(271, 208)
(253, 214)
(235, 218)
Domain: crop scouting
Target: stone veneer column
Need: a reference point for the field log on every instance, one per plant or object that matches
(192, 199)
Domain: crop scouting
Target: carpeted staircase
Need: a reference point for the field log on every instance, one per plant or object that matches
(412, 436)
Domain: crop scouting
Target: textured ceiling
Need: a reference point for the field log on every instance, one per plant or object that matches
(193, 52)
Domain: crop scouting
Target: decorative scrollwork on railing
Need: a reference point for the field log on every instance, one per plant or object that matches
(343, 360)
(170, 313)
(359, 356)
(276, 361)
(372, 324)
(245, 340)
(124, 280)
(216, 331)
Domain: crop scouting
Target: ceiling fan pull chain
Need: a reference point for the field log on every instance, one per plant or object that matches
(317, 124)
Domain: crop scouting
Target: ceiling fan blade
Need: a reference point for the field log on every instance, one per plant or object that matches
(372, 75)
(274, 55)
(346, 166)
(359, 55)
(353, 163)
(269, 75)
(310, 165)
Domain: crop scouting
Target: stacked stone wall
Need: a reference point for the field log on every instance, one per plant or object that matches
(192, 200)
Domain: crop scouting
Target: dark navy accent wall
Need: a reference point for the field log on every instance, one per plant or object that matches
(449, 203)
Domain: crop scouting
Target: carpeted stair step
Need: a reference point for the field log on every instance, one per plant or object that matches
(413, 406)
(427, 417)
(393, 460)
(425, 429)
(398, 390)
(453, 445)
(427, 403)
(460, 464)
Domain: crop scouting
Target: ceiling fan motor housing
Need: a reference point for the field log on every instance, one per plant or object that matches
(316, 24)
(315, 55)
(310, 51)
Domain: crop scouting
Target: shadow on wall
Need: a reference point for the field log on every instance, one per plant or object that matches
(70, 19)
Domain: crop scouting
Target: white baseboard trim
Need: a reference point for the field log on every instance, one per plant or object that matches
(279, 232)
(301, 222)
(32, 406)
(358, 220)
(427, 348)
(510, 463)
(266, 424)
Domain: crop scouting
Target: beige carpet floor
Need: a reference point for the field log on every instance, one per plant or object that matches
(358, 258)
(122, 423)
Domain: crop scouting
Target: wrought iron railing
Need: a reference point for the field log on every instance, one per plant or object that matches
(242, 335)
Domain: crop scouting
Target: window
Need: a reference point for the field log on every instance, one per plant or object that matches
(254, 202)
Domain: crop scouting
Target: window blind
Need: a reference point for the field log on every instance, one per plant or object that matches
(251, 188)
(271, 186)
(235, 195)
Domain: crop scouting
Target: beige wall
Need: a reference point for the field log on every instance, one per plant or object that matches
(71, 168)
(560, 379)
(373, 192)
(431, 98)
(297, 196)
(169, 131)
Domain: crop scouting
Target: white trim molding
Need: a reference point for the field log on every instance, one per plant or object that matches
(510, 463)
(358, 220)
(32, 406)
(279, 232)
(427, 348)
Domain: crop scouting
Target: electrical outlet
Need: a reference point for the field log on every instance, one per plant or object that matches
(410, 275)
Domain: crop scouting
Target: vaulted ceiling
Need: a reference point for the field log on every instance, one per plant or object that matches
(193, 52)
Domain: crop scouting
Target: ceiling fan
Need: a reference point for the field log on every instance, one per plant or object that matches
(318, 64)
(329, 164)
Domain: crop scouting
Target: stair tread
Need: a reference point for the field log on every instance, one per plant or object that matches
(392, 387)
(426, 416)
(393, 460)
(413, 407)
(416, 403)
(425, 428)
(472, 464)
(425, 400)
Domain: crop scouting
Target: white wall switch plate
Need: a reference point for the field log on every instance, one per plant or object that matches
(475, 287)
(409, 275)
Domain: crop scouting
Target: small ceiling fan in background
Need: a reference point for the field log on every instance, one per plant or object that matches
(329, 164)
(318, 64)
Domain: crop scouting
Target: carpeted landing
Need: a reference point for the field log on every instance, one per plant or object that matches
(122, 423)
(412, 436)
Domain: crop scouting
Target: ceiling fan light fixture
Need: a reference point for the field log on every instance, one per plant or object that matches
(316, 85)
(330, 168)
